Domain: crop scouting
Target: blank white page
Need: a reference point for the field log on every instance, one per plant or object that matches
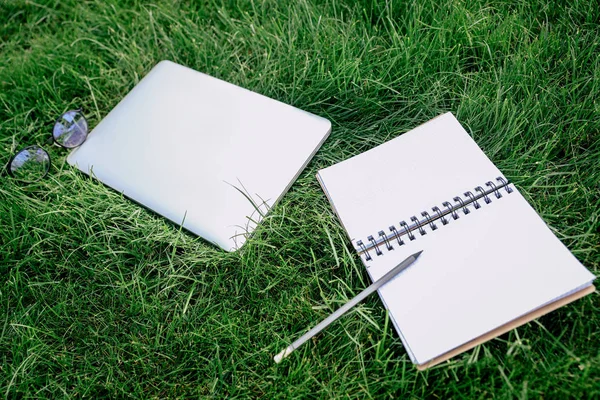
(476, 273)
(417, 170)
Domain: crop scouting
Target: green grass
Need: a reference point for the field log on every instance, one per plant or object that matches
(99, 297)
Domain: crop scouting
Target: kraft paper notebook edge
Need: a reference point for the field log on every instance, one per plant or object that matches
(535, 314)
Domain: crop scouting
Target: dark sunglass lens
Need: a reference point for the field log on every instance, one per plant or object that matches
(71, 129)
(30, 164)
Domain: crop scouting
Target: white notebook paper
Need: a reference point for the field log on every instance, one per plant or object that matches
(478, 272)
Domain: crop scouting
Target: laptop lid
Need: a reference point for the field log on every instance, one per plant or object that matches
(204, 153)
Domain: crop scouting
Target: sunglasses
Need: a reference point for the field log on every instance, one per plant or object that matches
(32, 163)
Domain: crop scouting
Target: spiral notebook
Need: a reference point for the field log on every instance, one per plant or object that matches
(489, 262)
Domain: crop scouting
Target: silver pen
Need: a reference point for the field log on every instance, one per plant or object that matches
(340, 311)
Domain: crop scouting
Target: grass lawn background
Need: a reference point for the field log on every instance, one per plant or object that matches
(101, 297)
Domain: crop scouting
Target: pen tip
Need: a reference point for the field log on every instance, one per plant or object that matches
(417, 254)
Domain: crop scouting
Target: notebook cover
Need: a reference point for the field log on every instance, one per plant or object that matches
(509, 326)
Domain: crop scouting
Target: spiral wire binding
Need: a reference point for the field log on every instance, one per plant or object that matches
(394, 237)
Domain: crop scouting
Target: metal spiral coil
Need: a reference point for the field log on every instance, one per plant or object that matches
(461, 206)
